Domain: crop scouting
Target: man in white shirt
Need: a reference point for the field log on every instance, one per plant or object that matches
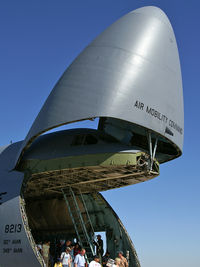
(79, 260)
(95, 262)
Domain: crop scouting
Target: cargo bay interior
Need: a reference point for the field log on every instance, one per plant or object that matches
(49, 219)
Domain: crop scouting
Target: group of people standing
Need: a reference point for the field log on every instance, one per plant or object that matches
(67, 260)
(59, 252)
(72, 255)
(79, 260)
(120, 261)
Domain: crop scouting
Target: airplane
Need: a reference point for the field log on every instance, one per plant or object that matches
(129, 80)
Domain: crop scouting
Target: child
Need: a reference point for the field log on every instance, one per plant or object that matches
(58, 263)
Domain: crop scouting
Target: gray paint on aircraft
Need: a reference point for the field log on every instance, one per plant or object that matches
(135, 59)
(15, 246)
(10, 180)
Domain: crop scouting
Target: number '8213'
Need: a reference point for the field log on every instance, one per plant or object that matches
(13, 228)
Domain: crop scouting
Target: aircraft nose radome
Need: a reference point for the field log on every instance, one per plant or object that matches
(154, 12)
(145, 33)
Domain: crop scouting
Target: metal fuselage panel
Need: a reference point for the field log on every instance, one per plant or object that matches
(130, 72)
(10, 180)
(15, 248)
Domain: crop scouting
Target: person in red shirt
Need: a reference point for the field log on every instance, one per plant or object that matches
(77, 249)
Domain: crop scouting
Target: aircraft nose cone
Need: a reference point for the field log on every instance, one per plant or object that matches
(152, 11)
(146, 34)
(134, 59)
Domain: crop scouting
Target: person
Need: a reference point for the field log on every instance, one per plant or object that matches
(58, 263)
(45, 252)
(99, 246)
(105, 258)
(65, 245)
(58, 249)
(77, 249)
(110, 263)
(124, 262)
(39, 247)
(72, 254)
(95, 262)
(66, 258)
(79, 260)
(117, 262)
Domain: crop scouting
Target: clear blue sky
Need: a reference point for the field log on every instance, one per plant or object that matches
(38, 40)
